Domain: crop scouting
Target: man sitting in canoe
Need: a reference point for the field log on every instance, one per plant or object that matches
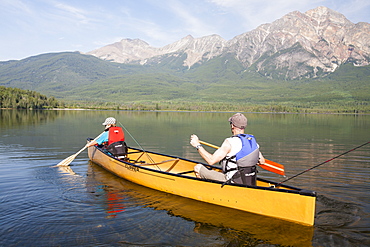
(238, 154)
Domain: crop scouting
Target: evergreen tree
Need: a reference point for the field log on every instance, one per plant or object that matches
(24, 99)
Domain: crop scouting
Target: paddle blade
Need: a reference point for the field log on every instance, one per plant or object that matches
(273, 167)
(67, 161)
(66, 170)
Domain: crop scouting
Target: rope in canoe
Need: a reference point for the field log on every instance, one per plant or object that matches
(322, 163)
(150, 158)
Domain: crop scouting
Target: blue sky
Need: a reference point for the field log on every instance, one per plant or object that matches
(34, 27)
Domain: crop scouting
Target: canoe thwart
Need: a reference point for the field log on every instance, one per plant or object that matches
(162, 162)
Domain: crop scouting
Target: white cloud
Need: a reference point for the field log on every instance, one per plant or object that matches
(76, 14)
(14, 6)
(192, 21)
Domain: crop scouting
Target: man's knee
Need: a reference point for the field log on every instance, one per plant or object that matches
(197, 168)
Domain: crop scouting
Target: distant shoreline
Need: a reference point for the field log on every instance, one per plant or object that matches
(195, 111)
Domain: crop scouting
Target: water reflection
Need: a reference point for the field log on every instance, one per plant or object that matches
(233, 226)
(15, 118)
(66, 170)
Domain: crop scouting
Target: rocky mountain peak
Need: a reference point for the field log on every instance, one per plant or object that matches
(125, 51)
(299, 45)
(323, 14)
(309, 44)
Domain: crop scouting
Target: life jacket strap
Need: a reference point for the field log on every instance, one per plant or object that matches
(225, 161)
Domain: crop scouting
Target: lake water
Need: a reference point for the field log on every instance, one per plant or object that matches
(42, 205)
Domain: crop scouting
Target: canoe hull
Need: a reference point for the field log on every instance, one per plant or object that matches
(284, 203)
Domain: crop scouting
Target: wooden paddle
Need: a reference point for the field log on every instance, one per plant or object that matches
(269, 165)
(69, 160)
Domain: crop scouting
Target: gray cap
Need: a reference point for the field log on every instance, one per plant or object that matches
(239, 120)
(109, 121)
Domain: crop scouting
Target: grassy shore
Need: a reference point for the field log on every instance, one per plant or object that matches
(345, 108)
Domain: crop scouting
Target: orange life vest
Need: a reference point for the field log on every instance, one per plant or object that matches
(115, 135)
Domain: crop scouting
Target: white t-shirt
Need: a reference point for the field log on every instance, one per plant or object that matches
(236, 146)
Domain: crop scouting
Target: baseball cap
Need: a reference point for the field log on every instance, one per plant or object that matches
(109, 121)
(239, 120)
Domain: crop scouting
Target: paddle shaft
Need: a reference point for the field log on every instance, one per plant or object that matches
(309, 169)
(96, 138)
(208, 144)
(82, 149)
(69, 159)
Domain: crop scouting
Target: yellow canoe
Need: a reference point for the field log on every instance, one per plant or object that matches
(175, 175)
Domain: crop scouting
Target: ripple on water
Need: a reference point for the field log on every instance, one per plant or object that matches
(334, 213)
(335, 220)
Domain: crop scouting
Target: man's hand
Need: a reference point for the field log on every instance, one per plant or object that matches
(194, 140)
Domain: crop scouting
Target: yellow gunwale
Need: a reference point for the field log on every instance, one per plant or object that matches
(175, 175)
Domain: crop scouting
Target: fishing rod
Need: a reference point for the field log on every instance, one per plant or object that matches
(137, 142)
(309, 169)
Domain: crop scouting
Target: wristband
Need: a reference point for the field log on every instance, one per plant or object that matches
(198, 146)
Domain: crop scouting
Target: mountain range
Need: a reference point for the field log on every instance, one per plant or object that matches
(298, 45)
(318, 57)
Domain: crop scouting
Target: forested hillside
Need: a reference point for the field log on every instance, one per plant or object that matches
(220, 84)
(24, 99)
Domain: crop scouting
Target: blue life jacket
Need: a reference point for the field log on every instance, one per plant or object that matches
(244, 162)
(248, 155)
